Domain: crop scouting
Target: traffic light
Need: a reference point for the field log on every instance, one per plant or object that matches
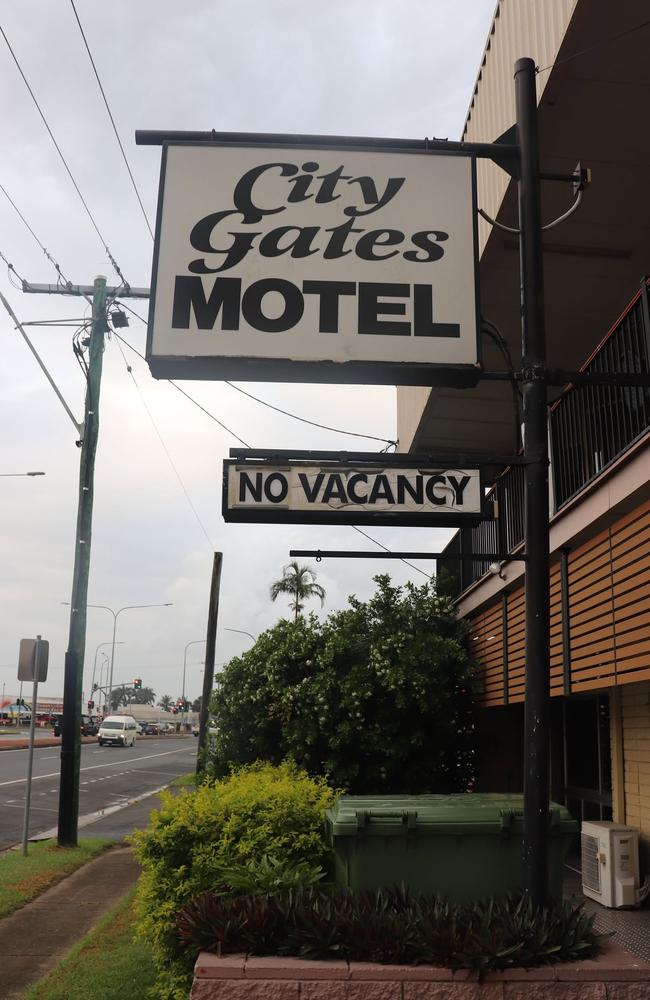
(91, 705)
(137, 683)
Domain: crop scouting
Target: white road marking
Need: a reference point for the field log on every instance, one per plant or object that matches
(93, 767)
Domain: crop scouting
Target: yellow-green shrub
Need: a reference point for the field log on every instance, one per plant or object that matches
(259, 810)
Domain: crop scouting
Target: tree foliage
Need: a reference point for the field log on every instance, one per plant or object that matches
(300, 583)
(378, 697)
(126, 695)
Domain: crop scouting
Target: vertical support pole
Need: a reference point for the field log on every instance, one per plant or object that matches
(30, 756)
(110, 676)
(74, 657)
(208, 673)
(536, 712)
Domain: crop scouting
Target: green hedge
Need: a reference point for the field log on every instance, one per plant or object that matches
(261, 810)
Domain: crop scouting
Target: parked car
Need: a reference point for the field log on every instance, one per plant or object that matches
(89, 726)
(150, 729)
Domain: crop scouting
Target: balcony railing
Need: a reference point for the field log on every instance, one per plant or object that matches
(589, 428)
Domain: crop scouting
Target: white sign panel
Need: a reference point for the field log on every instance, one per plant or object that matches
(306, 264)
(338, 494)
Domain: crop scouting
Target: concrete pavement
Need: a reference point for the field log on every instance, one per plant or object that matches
(34, 938)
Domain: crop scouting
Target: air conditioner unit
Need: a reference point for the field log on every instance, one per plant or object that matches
(610, 863)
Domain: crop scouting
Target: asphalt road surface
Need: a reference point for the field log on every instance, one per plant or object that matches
(111, 777)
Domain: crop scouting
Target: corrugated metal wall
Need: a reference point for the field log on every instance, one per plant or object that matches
(608, 622)
(520, 28)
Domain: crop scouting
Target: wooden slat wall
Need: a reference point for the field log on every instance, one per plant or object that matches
(487, 640)
(609, 617)
(635, 710)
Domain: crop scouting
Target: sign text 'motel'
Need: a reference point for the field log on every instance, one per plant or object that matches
(349, 494)
(308, 264)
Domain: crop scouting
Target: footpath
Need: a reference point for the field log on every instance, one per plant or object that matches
(33, 939)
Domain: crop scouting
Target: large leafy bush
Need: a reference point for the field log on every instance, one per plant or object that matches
(390, 926)
(377, 697)
(198, 837)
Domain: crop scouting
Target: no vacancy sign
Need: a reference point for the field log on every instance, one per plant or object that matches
(349, 494)
(297, 263)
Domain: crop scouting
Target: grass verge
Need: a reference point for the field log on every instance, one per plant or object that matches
(184, 781)
(105, 965)
(22, 879)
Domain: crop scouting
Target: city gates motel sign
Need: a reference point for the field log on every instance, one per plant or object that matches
(297, 263)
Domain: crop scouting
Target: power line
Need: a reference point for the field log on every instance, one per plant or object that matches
(164, 446)
(26, 223)
(286, 413)
(63, 160)
(596, 45)
(303, 420)
(110, 115)
(369, 537)
(182, 391)
(12, 270)
(386, 549)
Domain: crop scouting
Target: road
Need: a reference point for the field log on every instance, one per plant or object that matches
(110, 778)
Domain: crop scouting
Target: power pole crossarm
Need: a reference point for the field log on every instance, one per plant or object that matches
(122, 291)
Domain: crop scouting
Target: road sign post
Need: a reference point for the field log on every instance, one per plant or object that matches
(32, 665)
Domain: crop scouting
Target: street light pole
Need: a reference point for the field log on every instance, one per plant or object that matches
(192, 642)
(240, 630)
(116, 614)
(92, 682)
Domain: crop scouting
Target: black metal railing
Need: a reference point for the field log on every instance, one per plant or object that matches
(589, 427)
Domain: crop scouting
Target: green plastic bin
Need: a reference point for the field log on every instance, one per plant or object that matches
(463, 847)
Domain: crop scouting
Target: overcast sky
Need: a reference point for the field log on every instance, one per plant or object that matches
(356, 67)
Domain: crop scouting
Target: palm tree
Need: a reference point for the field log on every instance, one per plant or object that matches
(300, 582)
(144, 696)
(165, 703)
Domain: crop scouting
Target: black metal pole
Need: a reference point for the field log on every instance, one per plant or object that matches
(208, 673)
(536, 713)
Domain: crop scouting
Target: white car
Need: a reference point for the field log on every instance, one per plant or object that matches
(118, 730)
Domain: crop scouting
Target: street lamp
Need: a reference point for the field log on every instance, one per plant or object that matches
(92, 683)
(116, 614)
(192, 642)
(8, 474)
(240, 630)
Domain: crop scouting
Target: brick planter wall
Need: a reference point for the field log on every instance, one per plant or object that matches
(614, 975)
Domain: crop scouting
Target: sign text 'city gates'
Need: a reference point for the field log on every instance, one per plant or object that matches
(304, 264)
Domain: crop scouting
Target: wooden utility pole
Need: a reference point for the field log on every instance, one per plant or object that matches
(89, 430)
(74, 657)
(208, 673)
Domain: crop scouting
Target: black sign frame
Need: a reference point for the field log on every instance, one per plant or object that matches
(353, 516)
(428, 374)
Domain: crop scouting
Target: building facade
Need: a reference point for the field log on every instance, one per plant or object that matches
(593, 75)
